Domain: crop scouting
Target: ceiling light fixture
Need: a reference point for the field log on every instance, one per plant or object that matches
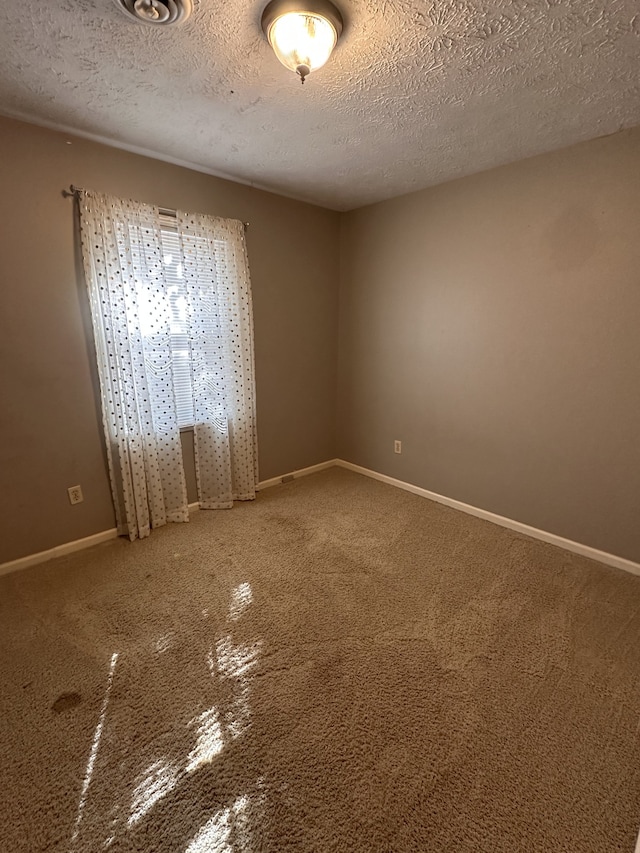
(302, 33)
(157, 12)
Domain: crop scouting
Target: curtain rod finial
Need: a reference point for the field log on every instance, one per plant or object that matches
(72, 191)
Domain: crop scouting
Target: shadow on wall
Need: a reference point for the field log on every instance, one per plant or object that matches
(85, 312)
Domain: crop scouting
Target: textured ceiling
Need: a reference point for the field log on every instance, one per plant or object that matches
(415, 94)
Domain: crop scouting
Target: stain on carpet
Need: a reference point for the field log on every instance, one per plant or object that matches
(65, 702)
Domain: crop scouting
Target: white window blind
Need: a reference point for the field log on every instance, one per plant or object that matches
(173, 262)
(180, 348)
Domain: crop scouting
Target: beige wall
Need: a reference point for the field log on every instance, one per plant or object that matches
(493, 325)
(50, 430)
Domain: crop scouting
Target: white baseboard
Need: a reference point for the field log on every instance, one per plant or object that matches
(105, 535)
(518, 526)
(301, 472)
(58, 551)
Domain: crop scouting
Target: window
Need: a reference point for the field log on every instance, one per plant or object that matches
(177, 296)
(170, 301)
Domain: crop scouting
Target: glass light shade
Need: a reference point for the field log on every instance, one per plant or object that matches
(152, 10)
(302, 41)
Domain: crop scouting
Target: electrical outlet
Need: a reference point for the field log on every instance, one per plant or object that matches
(75, 494)
(397, 446)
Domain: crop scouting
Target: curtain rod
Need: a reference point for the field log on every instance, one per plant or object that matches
(74, 191)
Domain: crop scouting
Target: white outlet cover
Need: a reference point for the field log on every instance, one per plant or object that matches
(75, 494)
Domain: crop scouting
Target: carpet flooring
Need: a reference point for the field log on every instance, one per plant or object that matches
(337, 666)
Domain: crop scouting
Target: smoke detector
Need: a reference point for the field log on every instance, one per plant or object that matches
(156, 12)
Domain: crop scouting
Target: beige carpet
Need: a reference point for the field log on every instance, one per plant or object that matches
(339, 666)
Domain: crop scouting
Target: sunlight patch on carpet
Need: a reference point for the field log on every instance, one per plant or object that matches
(241, 598)
(156, 782)
(94, 748)
(225, 832)
(164, 643)
(235, 662)
(209, 740)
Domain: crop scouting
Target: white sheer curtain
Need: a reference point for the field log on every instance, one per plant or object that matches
(221, 338)
(132, 322)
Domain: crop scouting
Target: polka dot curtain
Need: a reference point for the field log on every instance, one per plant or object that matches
(220, 315)
(131, 316)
